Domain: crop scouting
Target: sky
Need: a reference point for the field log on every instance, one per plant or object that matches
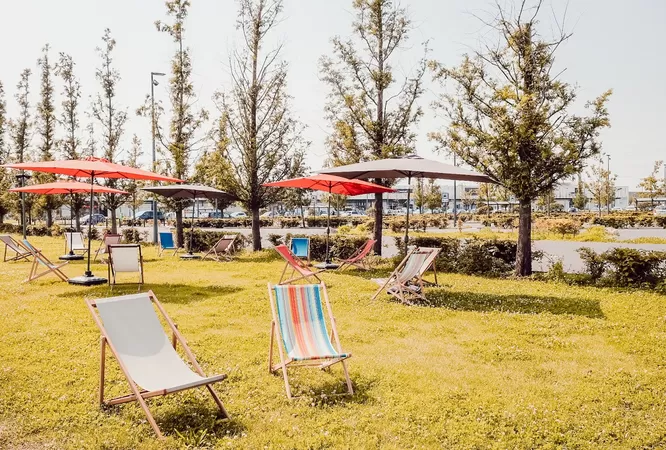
(615, 44)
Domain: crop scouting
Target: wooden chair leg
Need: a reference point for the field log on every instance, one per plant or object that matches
(350, 389)
(101, 371)
(270, 348)
(379, 291)
(217, 401)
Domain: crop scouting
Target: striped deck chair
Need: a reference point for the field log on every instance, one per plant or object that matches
(12, 245)
(74, 242)
(147, 358)
(40, 260)
(222, 248)
(107, 239)
(296, 265)
(358, 258)
(298, 319)
(166, 243)
(300, 247)
(406, 281)
(125, 258)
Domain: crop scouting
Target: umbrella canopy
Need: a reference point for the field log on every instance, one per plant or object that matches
(191, 192)
(67, 187)
(411, 167)
(91, 167)
(333, 185)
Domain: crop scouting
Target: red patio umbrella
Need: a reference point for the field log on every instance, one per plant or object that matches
(91, 168)
(71, 188)
(332, 184)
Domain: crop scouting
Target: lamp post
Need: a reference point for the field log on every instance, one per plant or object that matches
(455, 200)
(153, 83)
(608, 189)
(21, 179)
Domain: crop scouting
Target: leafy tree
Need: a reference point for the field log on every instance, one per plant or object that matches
(433, 195)
(110, 117)
(510, 115)
(580, 200)
(601, 185)
(69, 120)
(486, 192)
(265, 142)
(46, 129)
(21, 135)
(133, 187)
(5, 176)
(338, 201)
(372, 114)
(419, 195)
(652, 185)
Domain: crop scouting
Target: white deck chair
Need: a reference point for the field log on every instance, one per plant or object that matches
(125, 258)
(406, 281)
(39, 260)
(132, 330)
(74, 242)
(108, 239)
(12, 245)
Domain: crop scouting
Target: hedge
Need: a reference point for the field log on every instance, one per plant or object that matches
(624, 267)
(204, 240)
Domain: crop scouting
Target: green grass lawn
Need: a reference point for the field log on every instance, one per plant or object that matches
(488, 364)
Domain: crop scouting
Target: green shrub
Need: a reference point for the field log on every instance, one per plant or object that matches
(595, 265)
(204, 240)
(134, 236)
(275, 239)
(625, 267)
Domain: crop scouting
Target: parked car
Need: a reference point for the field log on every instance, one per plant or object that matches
(270, 214)
(630, 208)
(238, 214)
(218, 215)
(96, 218)
(148, 215)
(617, 208)
(572, 210)
(659, 211)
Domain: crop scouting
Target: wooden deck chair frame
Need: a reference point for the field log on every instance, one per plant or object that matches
(225, 254)
(431, 261)
(110, 265)
(138, 394)
(299, 266)
(40, 260)
(324, 363)
(14, 246)
(83, 249)
(161, 249)
(103, 246)
(402, 291)
(357, 259)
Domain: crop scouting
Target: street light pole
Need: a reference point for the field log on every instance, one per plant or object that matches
(153, 83)
(455, 206)
(609, 193)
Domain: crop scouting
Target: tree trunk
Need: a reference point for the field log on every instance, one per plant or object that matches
(114, 227)
(180, 238)
(256, 230)
(377, 232)
(49, 218)
(77, 218)
(524, 248)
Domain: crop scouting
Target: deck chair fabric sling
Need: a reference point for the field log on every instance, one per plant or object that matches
(12, 245)
(358, 258)
(406, 282)
(296, 265)
(300, 247)
(166, 242)
(39, 260)
(107, 239)
(74, 242)
(125, 258)
(300, 328)
(430, 262)
(222, 248)
(133, 333)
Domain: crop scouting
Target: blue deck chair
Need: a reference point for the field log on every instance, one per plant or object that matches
(166, 243)
(300, 247)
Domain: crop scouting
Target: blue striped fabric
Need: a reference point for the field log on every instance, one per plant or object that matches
(302, 324)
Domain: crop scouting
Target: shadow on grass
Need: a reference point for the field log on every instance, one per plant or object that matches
(264, 256)
(166, 293)
(199, 425)
(522, 304)
(333, 390)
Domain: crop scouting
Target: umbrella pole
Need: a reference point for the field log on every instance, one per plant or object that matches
(192, 230)
(90, 219)
(328, 226)
(409, 190)
(71, 222)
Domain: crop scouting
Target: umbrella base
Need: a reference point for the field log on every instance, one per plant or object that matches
(327, 265)
(84, 280)
(190, 256)
(69, 257)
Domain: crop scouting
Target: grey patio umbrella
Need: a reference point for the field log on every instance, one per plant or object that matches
(189, 192)
(409, 167)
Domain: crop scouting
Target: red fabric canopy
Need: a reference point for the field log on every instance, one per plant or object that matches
(333, 184)
(91, 167)
(67, 187)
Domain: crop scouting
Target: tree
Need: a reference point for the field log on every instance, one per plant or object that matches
(580, 200)
(184, 124)
(372, 117)
(46, 129)
(652, 185)
(110, 117)
(419, 195)
(133, 187)
(433, 195)
(265, 142)
(601, 185)
(486, 192)
(5, 177)
(21, 135)
(510, 115)
(69, 120)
